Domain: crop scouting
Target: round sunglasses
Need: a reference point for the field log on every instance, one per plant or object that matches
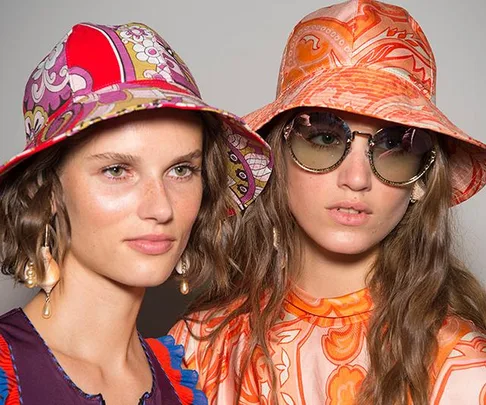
(319, 141)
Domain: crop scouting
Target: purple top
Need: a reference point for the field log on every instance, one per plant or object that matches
(41, 379)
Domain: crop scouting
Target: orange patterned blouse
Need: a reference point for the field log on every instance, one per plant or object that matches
(320, 355)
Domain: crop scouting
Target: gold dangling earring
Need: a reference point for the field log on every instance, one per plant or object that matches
(51, 276)
(181, 267)
(418, 191)
(30, 275)
(281, 256)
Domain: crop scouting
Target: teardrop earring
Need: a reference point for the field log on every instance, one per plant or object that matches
(181, 267)
(51, 276)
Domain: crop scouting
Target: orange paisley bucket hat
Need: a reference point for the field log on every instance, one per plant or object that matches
(371, 58)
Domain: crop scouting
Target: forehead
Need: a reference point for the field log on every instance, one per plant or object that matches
(356, 122)
(363, 121)
(156, 131)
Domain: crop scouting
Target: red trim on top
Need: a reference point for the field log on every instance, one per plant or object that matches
(6, 365)
(163, 356)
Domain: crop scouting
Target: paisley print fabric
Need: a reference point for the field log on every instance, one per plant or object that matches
(99, 72)
(320, 355)
(373, 59)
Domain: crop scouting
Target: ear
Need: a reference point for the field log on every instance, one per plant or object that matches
(418, 191)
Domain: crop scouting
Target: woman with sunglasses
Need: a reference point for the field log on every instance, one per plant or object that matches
(347, 289)
(126, 175)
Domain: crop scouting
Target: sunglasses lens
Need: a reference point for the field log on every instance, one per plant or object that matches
(318, 140)
(400, 153)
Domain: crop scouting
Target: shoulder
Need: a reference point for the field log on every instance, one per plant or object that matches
(184, 381)
(210, 330)
(205, 322)
(460, 367)
(8, 379)
(214, 357)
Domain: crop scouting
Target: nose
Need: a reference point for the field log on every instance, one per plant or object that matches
(155, 203)
(355, 172)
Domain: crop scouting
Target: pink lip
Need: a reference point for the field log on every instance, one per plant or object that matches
(349, 219)
(355, 205)
(151, 244)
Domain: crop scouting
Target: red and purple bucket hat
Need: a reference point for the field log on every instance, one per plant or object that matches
(98, 72)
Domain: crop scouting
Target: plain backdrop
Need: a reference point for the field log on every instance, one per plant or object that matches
(233, 49)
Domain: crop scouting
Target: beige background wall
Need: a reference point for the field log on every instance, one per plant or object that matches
(234, 49)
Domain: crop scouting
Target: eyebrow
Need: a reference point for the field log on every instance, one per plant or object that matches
(187, 157)
(132, 159)
(115, 156)
(192, 155)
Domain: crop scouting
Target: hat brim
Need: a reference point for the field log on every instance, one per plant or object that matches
(384, 95)
(248, 155)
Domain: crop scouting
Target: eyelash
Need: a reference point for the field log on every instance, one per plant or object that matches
(192, 168)
(114, 178)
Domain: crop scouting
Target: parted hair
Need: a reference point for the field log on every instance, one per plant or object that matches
(415, 283)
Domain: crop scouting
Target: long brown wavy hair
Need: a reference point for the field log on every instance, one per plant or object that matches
(30, 191)
(415, 283)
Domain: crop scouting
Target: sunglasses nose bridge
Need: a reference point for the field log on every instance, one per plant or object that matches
(354, 133)
(370, 140)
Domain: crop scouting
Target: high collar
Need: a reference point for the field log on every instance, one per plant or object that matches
(358, 303)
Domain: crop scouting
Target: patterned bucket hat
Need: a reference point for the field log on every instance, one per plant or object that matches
(99, 72)
(373, 59)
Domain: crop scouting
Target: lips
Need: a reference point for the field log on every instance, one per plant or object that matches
(350, 213)
(350, 207)
(349, 210)
(151, 244)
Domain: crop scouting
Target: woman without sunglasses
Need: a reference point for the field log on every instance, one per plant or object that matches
(348, 291)
(124, 178)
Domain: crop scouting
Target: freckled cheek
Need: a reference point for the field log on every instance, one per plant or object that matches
(308, 194)
(186, 205)
(92, 209)
(186, 201)
(393, 207)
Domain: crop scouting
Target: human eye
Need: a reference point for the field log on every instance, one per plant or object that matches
(392, 141)
(116, 172)
(183, 171)
(324, 139)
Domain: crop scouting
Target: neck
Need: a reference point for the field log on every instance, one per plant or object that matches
(326, 274)
(93, 317)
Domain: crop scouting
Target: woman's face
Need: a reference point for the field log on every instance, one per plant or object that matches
(132, 194)
(348, 210)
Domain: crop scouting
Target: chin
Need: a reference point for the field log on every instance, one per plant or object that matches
(349, 243)
(146, 278)
(347, 250)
